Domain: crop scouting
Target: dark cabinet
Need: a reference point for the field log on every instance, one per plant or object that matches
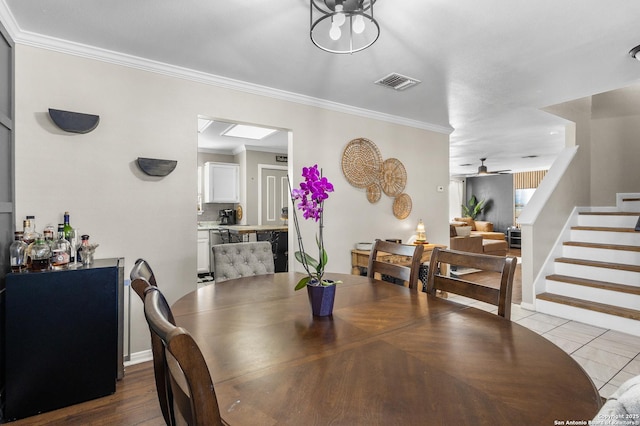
(62, 337)
(514, 237)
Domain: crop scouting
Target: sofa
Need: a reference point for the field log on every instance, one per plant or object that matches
(484, 229)
(483, 240)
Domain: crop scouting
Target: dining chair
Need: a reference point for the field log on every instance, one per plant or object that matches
(272, 237)
(227, 237)
(237, 260)
(194, 397)
(140, 285)
(505, 266)
(380, 263)
(141, 268)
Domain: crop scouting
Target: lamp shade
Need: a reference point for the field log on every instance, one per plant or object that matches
(420, 232)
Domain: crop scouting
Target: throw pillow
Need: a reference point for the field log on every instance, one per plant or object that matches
(463, 231)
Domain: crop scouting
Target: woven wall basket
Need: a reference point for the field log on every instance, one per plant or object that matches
(361, 162)
(373, 193)
(402, 206)
(393, 177)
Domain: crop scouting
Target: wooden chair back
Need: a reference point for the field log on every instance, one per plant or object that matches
(384, 265)
(505, 266)
(194, 398)
(142, 278)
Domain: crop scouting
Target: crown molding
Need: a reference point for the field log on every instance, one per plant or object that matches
(28, 38)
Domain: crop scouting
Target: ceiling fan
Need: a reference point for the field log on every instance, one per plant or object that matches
(482, 169)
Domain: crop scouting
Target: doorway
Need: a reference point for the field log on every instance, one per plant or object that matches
(273, 195)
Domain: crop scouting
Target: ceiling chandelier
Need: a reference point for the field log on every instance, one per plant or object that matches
(343, 26)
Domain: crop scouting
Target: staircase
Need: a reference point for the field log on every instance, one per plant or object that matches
(597, 278)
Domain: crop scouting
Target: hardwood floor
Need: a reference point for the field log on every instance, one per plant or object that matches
(135, 402)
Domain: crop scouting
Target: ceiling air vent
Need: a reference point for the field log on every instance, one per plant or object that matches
(397, 81)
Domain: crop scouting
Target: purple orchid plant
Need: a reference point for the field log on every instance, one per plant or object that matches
(310, 199)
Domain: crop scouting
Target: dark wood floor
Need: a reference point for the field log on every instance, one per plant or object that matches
(135, 401)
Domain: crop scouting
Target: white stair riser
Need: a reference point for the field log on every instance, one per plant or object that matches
(602, 255)
(599, 274)
(614, 298)
(630, 206)
(596, 319)
(608, 221)
(605, 237)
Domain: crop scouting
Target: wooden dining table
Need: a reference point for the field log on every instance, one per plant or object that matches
(387, 356)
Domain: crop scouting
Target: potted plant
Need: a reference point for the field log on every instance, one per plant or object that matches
(473, 207)
(310, 198)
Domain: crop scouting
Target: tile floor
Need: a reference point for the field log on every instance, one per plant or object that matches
(609, 357)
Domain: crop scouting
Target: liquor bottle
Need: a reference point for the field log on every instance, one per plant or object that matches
(29, 238)
(61, 253)
(32, 221)
(40, 255)
(28, 233)
(67, 227)
(48, 236)
(18, 253)
(83, 244)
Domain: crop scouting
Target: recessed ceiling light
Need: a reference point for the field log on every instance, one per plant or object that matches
(530, 156)
(635, 52)
(247, 132)
(468, 164)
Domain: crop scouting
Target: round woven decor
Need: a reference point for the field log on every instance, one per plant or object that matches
(361, 162)
(402, 206)
(373, 193)
(393, 177)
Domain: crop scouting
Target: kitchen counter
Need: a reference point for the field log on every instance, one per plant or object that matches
(241, 229)
(250, 229)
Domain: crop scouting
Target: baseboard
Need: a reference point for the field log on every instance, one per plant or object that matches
(139, 357)
(528, 306)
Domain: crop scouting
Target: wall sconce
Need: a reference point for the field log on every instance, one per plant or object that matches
(421, 236)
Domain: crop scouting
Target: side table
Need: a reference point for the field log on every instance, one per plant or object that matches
(514, 237)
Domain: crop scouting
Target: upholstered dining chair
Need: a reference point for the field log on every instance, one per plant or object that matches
(504, 266)
(194, 397)
(140, 275)
(237, 260)
(380, 263)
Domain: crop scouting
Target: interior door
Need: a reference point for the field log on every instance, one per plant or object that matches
(274, 194)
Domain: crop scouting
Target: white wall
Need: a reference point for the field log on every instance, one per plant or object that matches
(615, 150)
(153, 115)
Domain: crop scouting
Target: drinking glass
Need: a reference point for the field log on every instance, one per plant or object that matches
(74, 240)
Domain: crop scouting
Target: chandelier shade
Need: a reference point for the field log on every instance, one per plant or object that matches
(343, 26)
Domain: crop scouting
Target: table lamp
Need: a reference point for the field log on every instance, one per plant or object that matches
(421, 236)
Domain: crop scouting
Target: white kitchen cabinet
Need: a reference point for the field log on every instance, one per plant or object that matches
(203, 252)
(221, 183)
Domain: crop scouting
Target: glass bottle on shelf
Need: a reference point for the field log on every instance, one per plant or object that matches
(18, 253)
(28, 232)
(48, 236)
(61, 252)
(67, 227)
(29, 238)
(40, 255)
